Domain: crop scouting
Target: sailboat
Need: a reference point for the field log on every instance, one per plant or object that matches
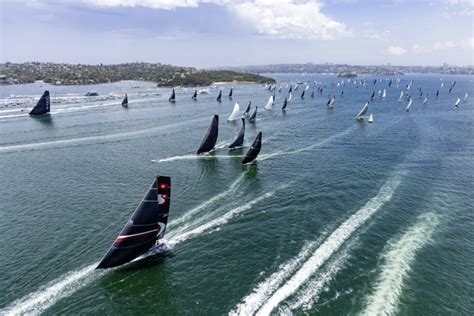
(253, 117)
(442, 84)
(144, 229)
(125, 101)
(247, 111)
(371, 118)
(289, 97)
(291, 89)
(401, 96)
(194, 97)
(172, 98)
(458, 101)
(219, 97)
(312, 94)
(210, 138)
(238, 140)
(254, 150)
(230, 93)
(330, 102)
(437, 93)
(425, 100)
(302, 94)
(360, 115)
(269, 104)
(372, 96)
(384, 93)
(410, 102)
(43, 105)
(466, 96)
(285, 104)
(235, 113)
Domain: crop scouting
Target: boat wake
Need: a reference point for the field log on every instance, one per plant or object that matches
(397, 261)
(251, 304)
(48, 295)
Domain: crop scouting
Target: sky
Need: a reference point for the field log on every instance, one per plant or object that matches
(217, 33)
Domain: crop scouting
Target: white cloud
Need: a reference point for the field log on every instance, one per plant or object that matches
(396, 50)
(468, 43)
(461, 7)
(289, 19)
(154, 4)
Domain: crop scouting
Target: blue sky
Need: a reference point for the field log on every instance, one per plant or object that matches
(209, 33)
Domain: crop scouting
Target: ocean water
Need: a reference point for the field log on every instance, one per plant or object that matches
(336, 217)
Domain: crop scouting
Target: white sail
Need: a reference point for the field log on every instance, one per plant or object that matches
(442, 84)
(466, 96)
(384, 94)
(307, 87)
(425, 100)
(409, 105)
(363, 111)
(371, 118)
(458, 100)
(235, 113)
(289, 97)
(269, 104)
(401, 96)
(331, 102)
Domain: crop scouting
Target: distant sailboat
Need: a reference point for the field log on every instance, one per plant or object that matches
(289, 97)
(437, 93)
(254, 150)
(360, 115)
(302, 94)
(235, 113)
(172, 98)
(43, 105)
(425, 100)
(401, 96)
(219, 97)
(238, 140)
(379, 94)
(410, 102)
(384, 93)
(194, 97)
(312, 94)
(230, 93)
(144, 229)
(253, 117)
(247, 111)
(210, 138)
(442, 84)
(452, 86)
(458, 101)
(291, 89)
(269, 104)
(372, 96)
(330, 102)
(371, 118)
(285, 104)
(466, 96)
(125, 101)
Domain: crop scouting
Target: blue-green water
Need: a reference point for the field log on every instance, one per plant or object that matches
(336, 217)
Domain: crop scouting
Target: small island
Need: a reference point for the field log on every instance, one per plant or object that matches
(79, 74)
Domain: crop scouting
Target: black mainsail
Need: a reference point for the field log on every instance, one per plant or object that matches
(285, 104)
(230, 93)
(254, 150)
(210, 139)
(247, 111)
(219, 97)
(238, 140)
(173, 96)
(43, 105)
(144, 228)
(194, 97)
(125, 101)
(254, 115)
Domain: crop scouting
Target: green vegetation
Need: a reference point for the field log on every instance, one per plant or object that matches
(163, 75)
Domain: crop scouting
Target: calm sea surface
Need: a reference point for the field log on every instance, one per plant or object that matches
(336, 217)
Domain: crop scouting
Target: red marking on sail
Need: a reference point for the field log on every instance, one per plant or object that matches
(121, 239)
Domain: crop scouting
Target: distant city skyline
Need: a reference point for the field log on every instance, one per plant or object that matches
(217, 33)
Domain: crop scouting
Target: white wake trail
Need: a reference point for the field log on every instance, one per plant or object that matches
(331, 245)
(232, 188)
(46, 296)
(217, 222)
(401, 253)
(253, 301)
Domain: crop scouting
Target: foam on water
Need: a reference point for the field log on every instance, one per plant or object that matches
(209, 202)
(329, 247)
(397, 265)
(46, 296)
